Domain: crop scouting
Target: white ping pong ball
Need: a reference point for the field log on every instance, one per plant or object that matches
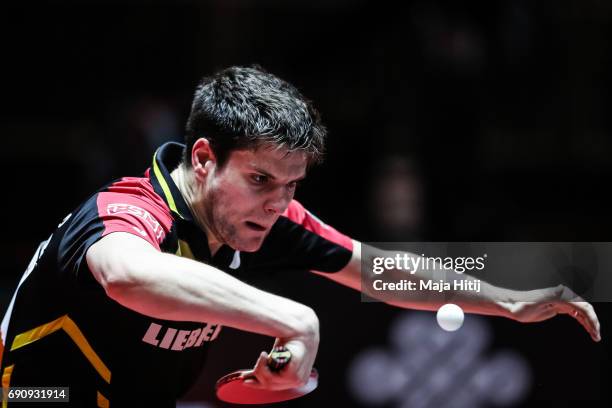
(450, 317)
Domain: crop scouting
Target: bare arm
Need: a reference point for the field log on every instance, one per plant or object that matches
(166, 286)
(524, 306)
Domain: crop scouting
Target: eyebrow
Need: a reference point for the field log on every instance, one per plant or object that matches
(271, 177)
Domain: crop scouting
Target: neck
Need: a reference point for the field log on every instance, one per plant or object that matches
(184, 180)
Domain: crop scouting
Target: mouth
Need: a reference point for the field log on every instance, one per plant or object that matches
(255, 227)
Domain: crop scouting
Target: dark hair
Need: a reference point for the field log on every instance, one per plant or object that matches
(243, 107)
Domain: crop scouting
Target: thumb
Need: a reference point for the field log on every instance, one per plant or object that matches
(254, 378)
(259, 365)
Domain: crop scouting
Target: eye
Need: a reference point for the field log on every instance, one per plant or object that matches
(293, 185)
(259, 179)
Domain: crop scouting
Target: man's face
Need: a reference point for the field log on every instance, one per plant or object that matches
(244, 198)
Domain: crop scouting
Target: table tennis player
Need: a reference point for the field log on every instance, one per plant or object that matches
(122, 301)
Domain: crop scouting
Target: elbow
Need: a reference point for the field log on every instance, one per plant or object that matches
(118, 278)
(119, 263)
(119, 286)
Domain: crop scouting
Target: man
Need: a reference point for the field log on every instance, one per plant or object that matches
(121, 302)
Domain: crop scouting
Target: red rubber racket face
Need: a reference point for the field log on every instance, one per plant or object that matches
(230, 388)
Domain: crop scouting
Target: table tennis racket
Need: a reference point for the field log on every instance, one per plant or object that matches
(231, 387)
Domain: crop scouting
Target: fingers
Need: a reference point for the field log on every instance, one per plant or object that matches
(585, 314)
(294, 374)
(580, 310)
(546, 303)
(262, 377)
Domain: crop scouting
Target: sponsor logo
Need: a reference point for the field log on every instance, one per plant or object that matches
(120, 208)
(179, 340)
(140, 231)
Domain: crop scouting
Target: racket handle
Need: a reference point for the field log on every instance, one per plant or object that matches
(278, 358)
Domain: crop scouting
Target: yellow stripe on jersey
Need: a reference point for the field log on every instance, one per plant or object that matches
(69, 326)
(6, 382)
(37, 333)
(164, 185)
(102, 401)
(77, 336)
(184, 250)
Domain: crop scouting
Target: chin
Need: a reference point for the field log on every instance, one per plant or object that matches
(248, 245)
(248, 248)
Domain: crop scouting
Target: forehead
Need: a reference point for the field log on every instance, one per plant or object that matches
(274, 160)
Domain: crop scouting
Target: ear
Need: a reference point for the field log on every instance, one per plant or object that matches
(202, 158)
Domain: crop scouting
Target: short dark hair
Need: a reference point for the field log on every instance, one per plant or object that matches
(243, 107)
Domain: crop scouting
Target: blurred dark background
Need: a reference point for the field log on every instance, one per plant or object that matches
(448, 121)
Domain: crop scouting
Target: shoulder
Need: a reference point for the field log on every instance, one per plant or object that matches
(295, 212)
(298, 214)
(132, 193)
(129, 204)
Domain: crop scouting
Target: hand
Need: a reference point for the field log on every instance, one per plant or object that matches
(296, 373)
(542, 304)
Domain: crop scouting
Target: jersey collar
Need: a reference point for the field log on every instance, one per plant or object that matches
(166, 158)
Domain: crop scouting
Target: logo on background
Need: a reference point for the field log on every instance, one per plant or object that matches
(426, 367)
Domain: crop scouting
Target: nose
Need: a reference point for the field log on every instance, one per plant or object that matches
(277, 202)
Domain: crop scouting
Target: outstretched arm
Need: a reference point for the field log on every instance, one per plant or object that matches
(524, 306)
(165, 286)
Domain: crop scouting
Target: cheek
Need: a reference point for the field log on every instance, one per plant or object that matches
(236, 202)
(243, 194)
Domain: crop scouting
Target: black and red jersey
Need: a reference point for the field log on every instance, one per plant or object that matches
(61, 329)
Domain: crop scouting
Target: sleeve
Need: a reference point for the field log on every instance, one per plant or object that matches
(299, 240)
(103, 214)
